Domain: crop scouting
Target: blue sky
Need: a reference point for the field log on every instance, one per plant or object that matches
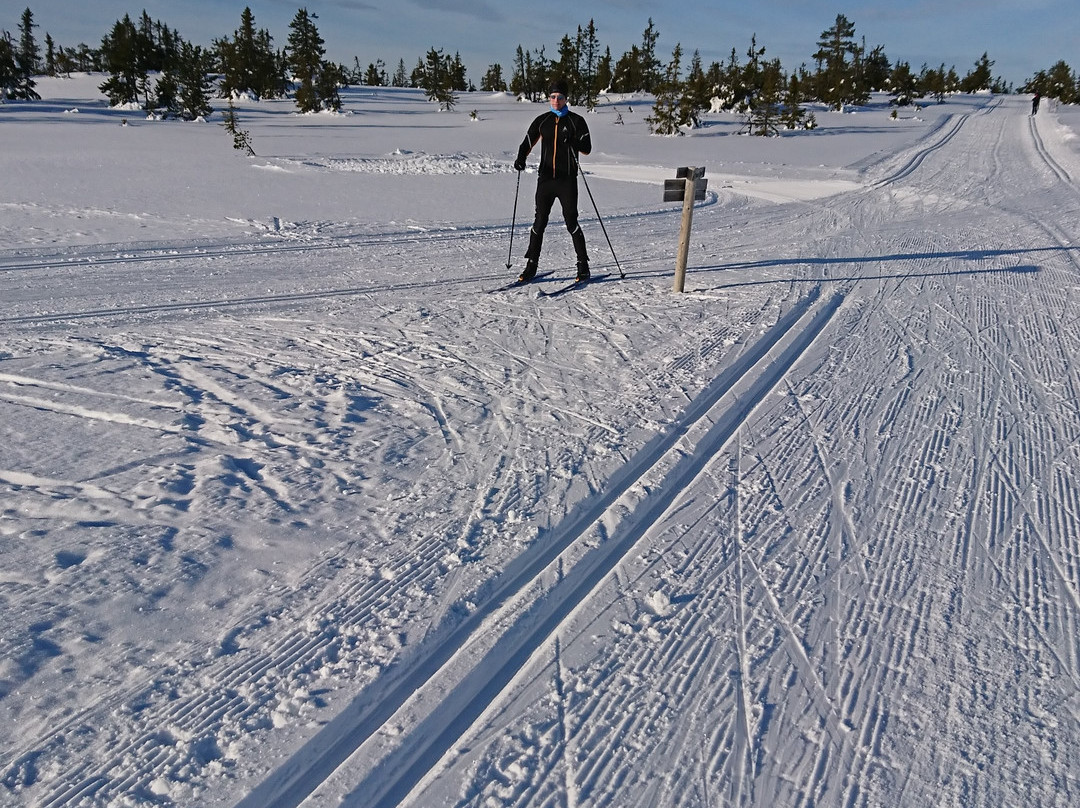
(1021, 36)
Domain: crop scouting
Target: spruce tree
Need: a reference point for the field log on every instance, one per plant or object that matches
(604, 72)
(437, 79)
(315, 78)
(933, 83)
(493, 81)
(8, 69)
(793, 116)
(903, 85)
(50, 55)
(568, 67)
(667, 115)
(194, 79)
(765, 116)
(248, 62)
(1061, 83)
(401, 78)
(120, 59)
(241, 138)
(589, 60)
(375, 75)
(26, 59)
(627, 76)
(696, 92)
(651, 68)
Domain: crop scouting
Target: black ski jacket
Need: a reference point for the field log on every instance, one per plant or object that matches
(558, 136)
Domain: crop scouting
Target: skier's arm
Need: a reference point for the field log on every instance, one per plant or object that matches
(532, 137)
(581, 143)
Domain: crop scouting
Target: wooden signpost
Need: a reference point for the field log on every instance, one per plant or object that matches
(687, 187)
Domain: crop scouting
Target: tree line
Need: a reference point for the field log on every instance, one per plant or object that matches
(150, 65)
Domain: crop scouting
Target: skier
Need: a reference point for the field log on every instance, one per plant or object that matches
(1035, 104)
(563, 135)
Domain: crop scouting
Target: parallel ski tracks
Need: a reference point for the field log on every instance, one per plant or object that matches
(1058, 170)
(122, 254)
(468, 664)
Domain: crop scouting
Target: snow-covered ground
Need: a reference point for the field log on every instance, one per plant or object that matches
(293, 511)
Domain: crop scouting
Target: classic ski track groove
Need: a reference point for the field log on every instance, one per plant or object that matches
(397, 773)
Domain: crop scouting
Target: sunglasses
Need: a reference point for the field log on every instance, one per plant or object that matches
(557, 97)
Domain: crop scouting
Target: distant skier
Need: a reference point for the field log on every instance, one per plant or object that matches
(1035, 104)
(563, 135)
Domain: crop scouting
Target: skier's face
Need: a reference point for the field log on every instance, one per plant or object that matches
(558, 100)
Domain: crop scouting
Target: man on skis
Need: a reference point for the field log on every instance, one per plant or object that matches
(563, 135)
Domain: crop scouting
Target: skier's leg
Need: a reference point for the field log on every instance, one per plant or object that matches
(568, 198)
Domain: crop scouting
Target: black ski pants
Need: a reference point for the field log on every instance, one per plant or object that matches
(547, 191)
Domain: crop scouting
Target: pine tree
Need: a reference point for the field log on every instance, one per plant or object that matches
(835, 78)
(933, 83)
(752, 77)
(1061, 83)
(876, 68)
(979, 79)
(903, 85)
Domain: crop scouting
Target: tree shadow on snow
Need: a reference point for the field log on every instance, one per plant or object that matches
(963, 255)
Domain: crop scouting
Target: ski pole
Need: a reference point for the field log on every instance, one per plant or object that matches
(598, 217)
(513, 222)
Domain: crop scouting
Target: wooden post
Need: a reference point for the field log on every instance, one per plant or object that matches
(684, 231)
(688, 186)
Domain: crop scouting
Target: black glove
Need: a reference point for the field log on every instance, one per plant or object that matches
(519, 164)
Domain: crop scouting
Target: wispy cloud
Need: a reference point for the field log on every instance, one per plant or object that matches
(469, 8)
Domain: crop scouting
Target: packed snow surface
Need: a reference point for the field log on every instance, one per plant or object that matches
(296, 511)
